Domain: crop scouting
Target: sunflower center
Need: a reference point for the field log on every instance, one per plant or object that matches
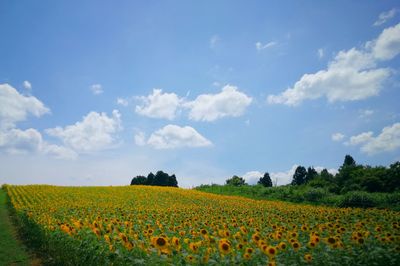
(161, 241)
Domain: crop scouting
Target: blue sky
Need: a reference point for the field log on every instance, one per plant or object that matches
(96, 92)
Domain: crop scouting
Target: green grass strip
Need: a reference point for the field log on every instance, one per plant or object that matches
(11, 250)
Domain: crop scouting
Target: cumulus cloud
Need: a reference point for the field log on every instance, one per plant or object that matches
(95, 132)
(209, 107)
(159, 105)
(337, 136)
(387, 140)
(352, 75)
(17, 141)
(252, 177)
(15, 107)
(27, 85)
(140, 139)
(385, 16)
(280, 178)
(387, 45)
(172, 137)
(260, 46)
(20, 141)
(96, 89)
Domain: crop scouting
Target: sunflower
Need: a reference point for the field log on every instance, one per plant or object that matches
(190, 259)
(296, 245)
(331, 241)
(249, 250)
(193, 246)
(224, 246)
(246, 256)
(203, 232)
(243, 230)
(160, 242)
(175, 241)
(256, 237)
(272, 263)
(270, 251)
(282, 245)
(308, 258)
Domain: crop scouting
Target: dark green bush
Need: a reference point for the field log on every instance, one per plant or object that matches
(358, 199)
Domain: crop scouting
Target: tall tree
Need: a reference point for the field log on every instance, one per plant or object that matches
(344, 176)
(311, 174)
(265, 180)
(349, 161)
(236, 181)
(299, 176)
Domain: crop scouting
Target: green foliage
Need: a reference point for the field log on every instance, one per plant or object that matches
(265, 180)
(299, 176)
(360, 199)
(311, 174)
(159, 179)
(236, 181)
(11, 251)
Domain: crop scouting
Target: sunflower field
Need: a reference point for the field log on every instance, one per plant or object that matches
(143, 225)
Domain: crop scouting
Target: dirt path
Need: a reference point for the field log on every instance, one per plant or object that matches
(12, 251)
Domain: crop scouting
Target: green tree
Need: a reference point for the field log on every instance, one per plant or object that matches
(299, 176)
(349, 161)
(311, 174)
(265, 180)
(392, 180)
(236, 181)
(139, 180)
(344, 176)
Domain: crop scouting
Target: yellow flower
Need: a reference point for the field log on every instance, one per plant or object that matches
(308, 257)
(224, 246)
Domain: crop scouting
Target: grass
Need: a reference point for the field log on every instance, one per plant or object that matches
(309, 195)
(12, 252)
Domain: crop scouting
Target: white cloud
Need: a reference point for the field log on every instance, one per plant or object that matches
(140, 139)
(252, 177)
(320, 53)
(352, 75)
(214, 40)
(385, 16)
(122, 101)
(387, 45)
(159, 105)
(59, 152)
(15, 107)
(17, 141)
(337, 136)
(27, 85)
(260, 46)
(173, 136)
(20, 141)
(95, 132)
(387, 140)
(283, 178)
(96, 89)
(209, 107)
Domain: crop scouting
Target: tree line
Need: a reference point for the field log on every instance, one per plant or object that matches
(350, 177)
(159, 179)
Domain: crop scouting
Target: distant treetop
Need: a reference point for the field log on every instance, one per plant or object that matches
(159, 179)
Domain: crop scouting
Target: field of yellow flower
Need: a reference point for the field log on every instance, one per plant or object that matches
(170, 226)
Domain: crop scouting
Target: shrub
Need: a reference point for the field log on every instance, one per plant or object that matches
(358, 199)
(315, 194)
